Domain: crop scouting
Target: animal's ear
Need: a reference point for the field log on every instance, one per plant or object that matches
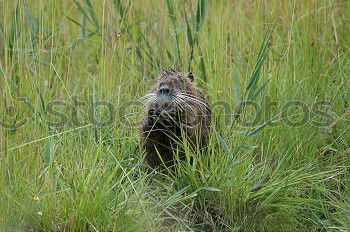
(190, 76)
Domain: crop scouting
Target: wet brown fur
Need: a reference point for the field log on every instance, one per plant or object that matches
(192, 121)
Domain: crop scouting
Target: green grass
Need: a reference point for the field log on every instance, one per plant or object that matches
(55, 55)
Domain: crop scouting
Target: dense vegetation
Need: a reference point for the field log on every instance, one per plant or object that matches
(71, 74)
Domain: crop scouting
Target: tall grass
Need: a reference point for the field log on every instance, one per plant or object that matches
(268, 174)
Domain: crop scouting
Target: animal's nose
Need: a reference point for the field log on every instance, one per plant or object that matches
(165, 90)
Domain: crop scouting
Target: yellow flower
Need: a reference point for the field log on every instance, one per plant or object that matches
(36, 198)
(220, 91)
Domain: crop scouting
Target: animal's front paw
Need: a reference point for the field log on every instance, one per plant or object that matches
(152, 113)
(152, 116)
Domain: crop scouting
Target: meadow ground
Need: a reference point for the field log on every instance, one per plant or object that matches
(275, 72)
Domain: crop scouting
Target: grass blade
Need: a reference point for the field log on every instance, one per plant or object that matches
(118, 5)
(81, 9)
(201, 12)
(190, 41)
(262, 126)
(224, 144)
(15, 33)
(84, 28)
(92, 14)
(252, 96)
(172, 17)
(202, 66)
(237, 85)
(261, 59)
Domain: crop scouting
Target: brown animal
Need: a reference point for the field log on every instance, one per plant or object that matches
(176, 109)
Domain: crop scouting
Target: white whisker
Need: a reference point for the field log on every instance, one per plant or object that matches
(150, 97)
(190, 98)
(183, 102)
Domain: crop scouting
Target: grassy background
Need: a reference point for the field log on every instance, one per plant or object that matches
(82, 177)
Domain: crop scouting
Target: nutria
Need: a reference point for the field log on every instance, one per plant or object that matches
(176, 109)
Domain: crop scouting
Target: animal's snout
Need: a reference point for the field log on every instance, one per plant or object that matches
(164, 99)
(165, 90)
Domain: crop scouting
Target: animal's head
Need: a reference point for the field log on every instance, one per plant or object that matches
(173, 93)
